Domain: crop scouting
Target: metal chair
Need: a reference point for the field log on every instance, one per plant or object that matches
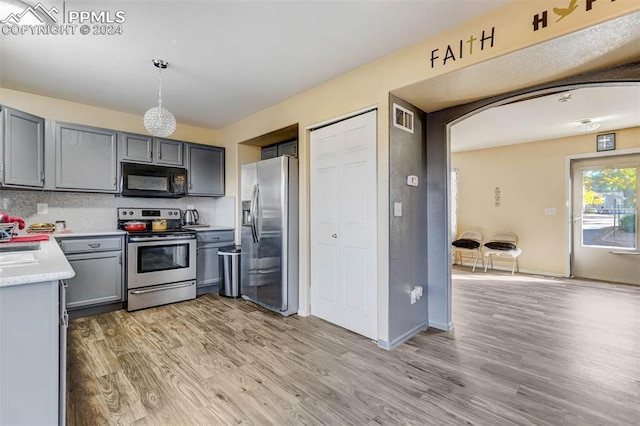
(503, 246)
(466, 249)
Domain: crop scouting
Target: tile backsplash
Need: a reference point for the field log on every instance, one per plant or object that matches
(84, 212)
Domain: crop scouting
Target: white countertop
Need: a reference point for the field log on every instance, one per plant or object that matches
(200, 228)
(67, 234)
(34, 266)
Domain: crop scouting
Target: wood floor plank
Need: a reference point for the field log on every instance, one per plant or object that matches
(526, 350)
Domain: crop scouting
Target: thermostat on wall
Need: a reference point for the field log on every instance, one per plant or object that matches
(412, 180)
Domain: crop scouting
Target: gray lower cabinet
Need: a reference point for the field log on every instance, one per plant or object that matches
(208, 271)
(147, 149)
(205, 166)
(22, 149)
(32, 354)
(99, 277)
(85, 158)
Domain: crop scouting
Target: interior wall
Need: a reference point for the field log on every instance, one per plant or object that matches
(407, 233)
(531, 177)
(370, 86)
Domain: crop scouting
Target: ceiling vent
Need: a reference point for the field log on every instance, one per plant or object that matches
(402, 118)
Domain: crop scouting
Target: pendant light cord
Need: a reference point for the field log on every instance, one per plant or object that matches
(160, 87)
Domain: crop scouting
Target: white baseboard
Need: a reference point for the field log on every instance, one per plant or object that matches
(441, 325)
(402, 338)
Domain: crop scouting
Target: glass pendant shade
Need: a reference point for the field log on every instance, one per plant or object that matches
(159, 122)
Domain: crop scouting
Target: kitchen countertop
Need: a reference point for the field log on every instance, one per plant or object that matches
(67, 234)
(200, 228)
(34, 266)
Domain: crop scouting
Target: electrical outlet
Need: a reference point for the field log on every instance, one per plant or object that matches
(550, 211)
(42, 208)
(416, 294)
(189, 207)
(397, 209)
(5, 203)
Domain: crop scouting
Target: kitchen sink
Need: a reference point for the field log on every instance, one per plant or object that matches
(17, 259)
(10, 248)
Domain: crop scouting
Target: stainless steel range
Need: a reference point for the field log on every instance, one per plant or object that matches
(161, 259)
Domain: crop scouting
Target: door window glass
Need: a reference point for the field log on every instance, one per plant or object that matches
(609, 207)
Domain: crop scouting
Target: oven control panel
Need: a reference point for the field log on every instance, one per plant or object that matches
(130, 213)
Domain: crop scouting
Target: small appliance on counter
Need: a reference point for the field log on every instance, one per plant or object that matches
(190, 217)
(161, 257)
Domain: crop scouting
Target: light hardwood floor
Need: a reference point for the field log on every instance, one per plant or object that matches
(525, 350)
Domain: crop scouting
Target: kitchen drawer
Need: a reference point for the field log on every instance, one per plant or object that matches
(89, 245)
(206, 237)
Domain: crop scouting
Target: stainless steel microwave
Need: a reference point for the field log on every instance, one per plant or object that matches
(145, 180)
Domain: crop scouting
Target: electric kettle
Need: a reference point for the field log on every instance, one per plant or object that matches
(190, 217)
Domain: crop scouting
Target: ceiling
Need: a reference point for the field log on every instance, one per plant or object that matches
(227, 59)
(549, 117)
(610, 43)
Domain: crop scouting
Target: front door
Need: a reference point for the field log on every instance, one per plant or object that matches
(344, 281)
(605, 220)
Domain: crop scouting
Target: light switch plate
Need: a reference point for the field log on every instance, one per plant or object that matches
(550, 211)
(412, 180)
(397, 209)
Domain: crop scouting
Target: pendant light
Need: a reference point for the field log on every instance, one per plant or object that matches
(159, 121)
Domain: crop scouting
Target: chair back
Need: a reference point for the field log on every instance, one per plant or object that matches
(505, 237)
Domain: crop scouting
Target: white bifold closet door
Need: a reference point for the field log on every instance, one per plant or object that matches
(344, 280)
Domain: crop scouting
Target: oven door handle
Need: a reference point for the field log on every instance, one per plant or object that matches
(154, 239)
(161, 288)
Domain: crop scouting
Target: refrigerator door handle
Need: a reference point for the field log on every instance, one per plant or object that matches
(258, 221)
(252, 214)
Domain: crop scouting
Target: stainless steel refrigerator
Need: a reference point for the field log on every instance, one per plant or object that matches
(269, 260)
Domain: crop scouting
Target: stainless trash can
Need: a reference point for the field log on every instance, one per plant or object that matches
(229, 258)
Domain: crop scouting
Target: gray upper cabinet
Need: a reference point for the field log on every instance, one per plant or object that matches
(138, 148)
(288, 148)
(205, 165)
(169, 152)
(85, 158)
(147, 149)
(22, 150)
(269, 152)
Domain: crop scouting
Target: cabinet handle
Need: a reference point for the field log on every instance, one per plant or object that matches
(150, 154)
(159, 155)
(114, 181)
(41, 175)
(94, 245)
(120, 259)
(190, 185)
